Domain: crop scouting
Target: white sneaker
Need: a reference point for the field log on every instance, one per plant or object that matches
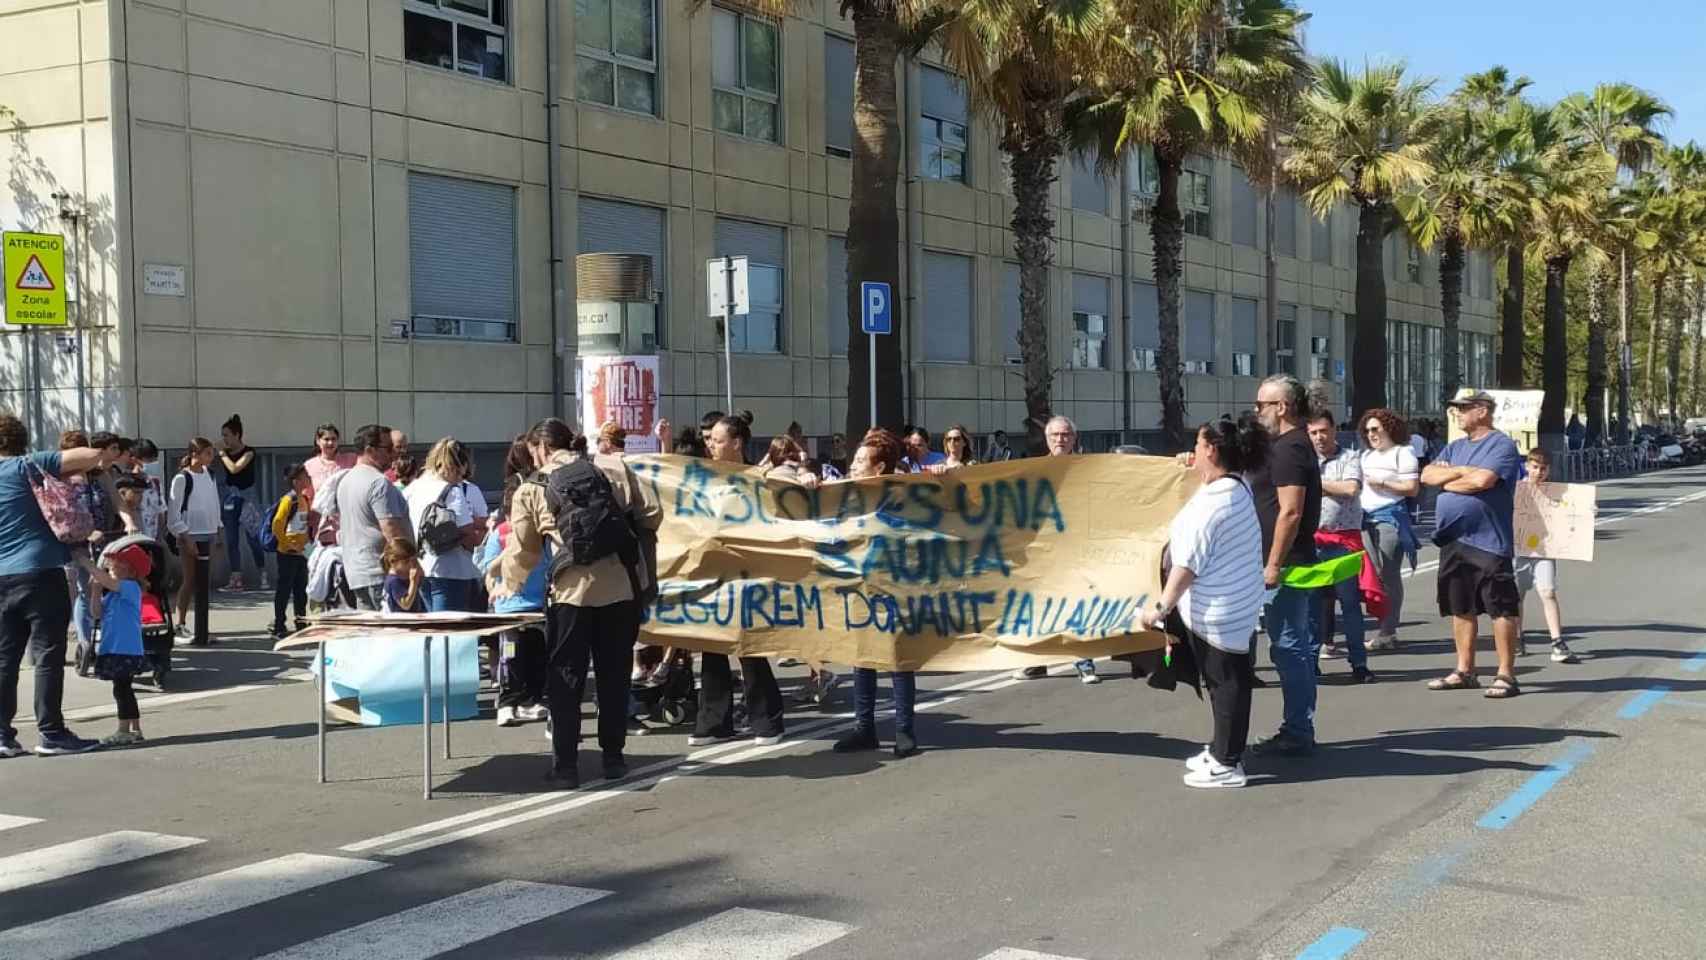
(1383, 641)
(1332, 651)
(507, 717)
(1561, 653)
(1087, 674)
(1201, 761)
(1215, 776)
(533, 712)
(706, 739)
(826, 684)
(767, 741)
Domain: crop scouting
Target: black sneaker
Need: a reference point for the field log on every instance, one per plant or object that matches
(615, 767)
(1363, 675)
(277, 631)
(564, 778)
(1283, 744)
(862, 738)
(905, 744)
(62, 742)
(10, 747)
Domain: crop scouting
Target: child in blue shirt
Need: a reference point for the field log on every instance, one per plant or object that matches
(116, 600)
(403, 576)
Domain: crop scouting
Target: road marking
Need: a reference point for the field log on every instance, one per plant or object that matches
(1696, 663)
(80, 856)
(8, 822)
(444, 925)
(1530, 792)
(1642, 702)
(1014, 953)
(145, 914)
(151, 704)
(1335, 943)
(744, 933)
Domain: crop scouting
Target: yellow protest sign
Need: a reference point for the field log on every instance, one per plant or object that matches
(35, 279)
(1003, 565)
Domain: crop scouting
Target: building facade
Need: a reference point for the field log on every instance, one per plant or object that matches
(339, 211)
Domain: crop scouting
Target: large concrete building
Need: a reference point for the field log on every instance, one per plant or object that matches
(338, 210)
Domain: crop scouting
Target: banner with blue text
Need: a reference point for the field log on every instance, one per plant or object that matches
(1003, 565)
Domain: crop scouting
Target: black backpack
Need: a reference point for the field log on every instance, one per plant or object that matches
(438, 525)
(590, 522)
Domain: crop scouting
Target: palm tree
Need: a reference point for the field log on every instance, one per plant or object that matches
(1364, 137)
(1500, 98)
(1181, 76)
(1674, 215)
(1022, 60)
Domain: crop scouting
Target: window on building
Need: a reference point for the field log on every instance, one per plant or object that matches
(1243, 337)
(1198, 347)
(611, 226)
(467, 36)
(1321, 240)
(451, 294)
(1321, 344)
(835, 310)
(1011, 313)
(1285, 339)
(837, 96)
(1196, 197)
(1089, 322)
(941, 126)
(766, 251)
(1144, 176)
(616, 61)
(1144, 336)
(746, 75)
(1285, 223)
(948, 287)
(1089, 187)
(1412, 262)
(1243, 213)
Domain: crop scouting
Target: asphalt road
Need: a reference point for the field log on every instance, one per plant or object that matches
(1045, 819)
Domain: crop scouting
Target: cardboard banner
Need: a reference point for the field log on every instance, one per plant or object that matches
(623, 389)
(1003, 565)
(1516, 414)
(1555, 520)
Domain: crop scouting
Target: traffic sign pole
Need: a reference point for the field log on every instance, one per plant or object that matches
(871, 366)
(728, 333)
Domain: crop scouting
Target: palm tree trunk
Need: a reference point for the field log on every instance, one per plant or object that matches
(1167, 230)
(1554, 360)
(1596, 355)
(1695, 391)
(873, 222)
(1368, 356)
(1451, 310)
(1674, 366)
(1649, 390)
(1625, 344)
(1510, 330)
(1033, 145)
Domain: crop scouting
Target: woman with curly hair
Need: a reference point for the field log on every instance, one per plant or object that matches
(1390, 473)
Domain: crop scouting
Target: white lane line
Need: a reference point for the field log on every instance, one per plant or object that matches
(152, 704)
(676, 769)
(747, 934)
(145, 914)
(1014, 953)
(9, 822)
(80, 856)
(444, 925)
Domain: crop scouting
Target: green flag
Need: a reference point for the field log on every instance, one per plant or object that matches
(1324, 574)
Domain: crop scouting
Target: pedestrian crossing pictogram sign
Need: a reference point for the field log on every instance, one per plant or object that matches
(35, 279)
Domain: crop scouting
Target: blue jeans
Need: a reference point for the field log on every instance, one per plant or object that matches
(232, 512)
(1348, 596)
(82, 614)
(1291, 646)
(902, 686)
(443, 594)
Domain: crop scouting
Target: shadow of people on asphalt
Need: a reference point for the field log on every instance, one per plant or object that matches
(1434, 752)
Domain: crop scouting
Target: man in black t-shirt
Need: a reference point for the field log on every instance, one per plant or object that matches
(1288, 503)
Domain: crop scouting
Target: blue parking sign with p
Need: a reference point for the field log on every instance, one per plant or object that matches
(875, 308)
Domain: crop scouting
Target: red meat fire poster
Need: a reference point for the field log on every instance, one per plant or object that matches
(623, 389)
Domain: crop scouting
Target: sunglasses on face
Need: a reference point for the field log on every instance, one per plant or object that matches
(1371, 429)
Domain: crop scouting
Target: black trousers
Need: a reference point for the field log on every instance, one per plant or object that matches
(35, 611)
(124, 697)
(523, 679)
(1227, 677)
(203, 573)
(291, 585)
(716, 696)
(605, 636)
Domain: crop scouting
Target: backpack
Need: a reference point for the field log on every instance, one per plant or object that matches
(62, 506)
(590, 523)
(439, 529)
(269, 540)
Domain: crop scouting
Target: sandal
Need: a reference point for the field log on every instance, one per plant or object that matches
(1502, 688)
(1455, 680)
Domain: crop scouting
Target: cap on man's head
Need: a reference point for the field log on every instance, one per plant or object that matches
(1469, 398)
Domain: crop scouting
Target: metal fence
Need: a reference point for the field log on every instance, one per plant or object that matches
(1603, 463)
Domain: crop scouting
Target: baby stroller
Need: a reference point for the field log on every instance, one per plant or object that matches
(672, 701)
(157, 591)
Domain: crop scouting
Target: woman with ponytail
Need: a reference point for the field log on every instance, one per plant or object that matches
(192, 516)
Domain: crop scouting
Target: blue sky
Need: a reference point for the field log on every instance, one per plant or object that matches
(1562, 45)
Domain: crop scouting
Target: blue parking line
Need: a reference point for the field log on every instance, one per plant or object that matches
(1335, 943)
(1696, 663)
(1642, 702)
(1529, 793)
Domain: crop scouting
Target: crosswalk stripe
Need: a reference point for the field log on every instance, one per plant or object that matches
(748, 934)
(8, 822)
(180, 904)
(1014, 953)
(80, 856)
(445, 925)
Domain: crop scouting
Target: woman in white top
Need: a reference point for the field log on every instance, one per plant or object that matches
(1390, 473)
(1215, 543)
(193, 517)
(447, 481)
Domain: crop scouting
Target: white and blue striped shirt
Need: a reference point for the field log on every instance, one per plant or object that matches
(1218, 537)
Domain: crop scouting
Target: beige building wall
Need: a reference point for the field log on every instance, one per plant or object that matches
(265, 149)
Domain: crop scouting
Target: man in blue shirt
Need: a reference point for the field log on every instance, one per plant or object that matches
(35, 604)
(1477, 476)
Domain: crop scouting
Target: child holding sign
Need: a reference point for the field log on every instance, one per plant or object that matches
(1542, 574)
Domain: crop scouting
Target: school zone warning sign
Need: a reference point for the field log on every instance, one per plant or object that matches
(35, 279)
